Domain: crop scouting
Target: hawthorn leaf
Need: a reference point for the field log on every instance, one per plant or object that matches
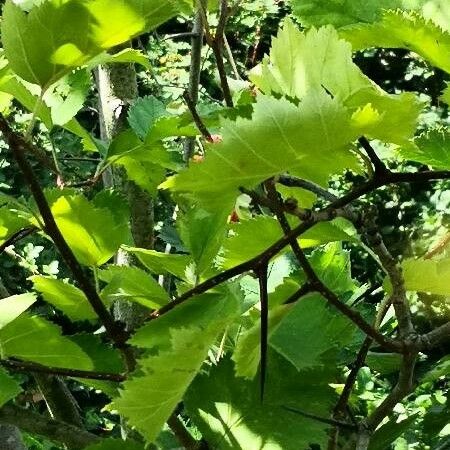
(384, 363)
(33, 338)
(104, 358)
(440, 369)
(311, 333)
(400, 29)
(92, 233)
(64, 296)
(389, 432)
(10, 223)
(203, 233)
(252, 237)
(161, 263)
(427, 275)
(132, 284)
(201, 311)
(13, 306)
(40, 53)
(143, 114)
(340, 12)
(9, 387)
(246, 156)
(67, 96)
(445, 97)
(231, 416)
(128, 55)
(115, 444)
(148, 399)
(431, 148)
(304, 62)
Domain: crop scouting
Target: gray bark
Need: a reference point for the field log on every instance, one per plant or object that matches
(10, 438)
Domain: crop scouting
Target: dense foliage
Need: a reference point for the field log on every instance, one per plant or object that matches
(224, 224)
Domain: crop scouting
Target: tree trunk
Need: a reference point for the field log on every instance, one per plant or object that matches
(117, 89)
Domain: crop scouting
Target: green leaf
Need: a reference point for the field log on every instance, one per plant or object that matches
(203, 234)
(252, 237)
(445, 97)
(339, 12)
(246, 157)
(431, 148)
(389, 432)
(9, 387)
(35, 339)
(427, 275)
(147, 400)
(300, 63)
(65, 297)
(39, 53)
(441, 369)
(67, 96)
(128, 55)
(10, 223)
(104, 358)
(407, 30)
(115, 444)
(230, 415)
(384, 363)
(92, 233)
(143, 114)
(201, 311)
(12, 307)
(311, 333)
(162, 263)
(132, 284)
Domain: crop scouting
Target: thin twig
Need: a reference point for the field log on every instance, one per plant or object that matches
(17, 236)
(116, 333)
(29, 367)
(333, 422)
(264, 300)
(197, 119)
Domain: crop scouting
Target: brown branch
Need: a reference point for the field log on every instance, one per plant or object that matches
(378, 165)
(435, 337)
(17, 236)
(398, 297)
(322, 215)
(333, 422)
(29, 367)
(184, 437)
(318, 286)
(116, 333)
(197, 119)
(26, 420)
(264, 300)
(217, 47)
(290, 181)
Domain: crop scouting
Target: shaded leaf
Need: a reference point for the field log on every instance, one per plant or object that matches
(35, 339)
(9, 387)
(133, 284)
(65, 297)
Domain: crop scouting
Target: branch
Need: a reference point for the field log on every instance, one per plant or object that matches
(398, 297)
(17, 236)
(333, 422)
(290, 181)
(27, 367)
(435, 337)
(26, 420)
(191, 96)
(117, 334)
(217, 46)
(318, 286)
(378, 165)
(197, 119)
(264, 300)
